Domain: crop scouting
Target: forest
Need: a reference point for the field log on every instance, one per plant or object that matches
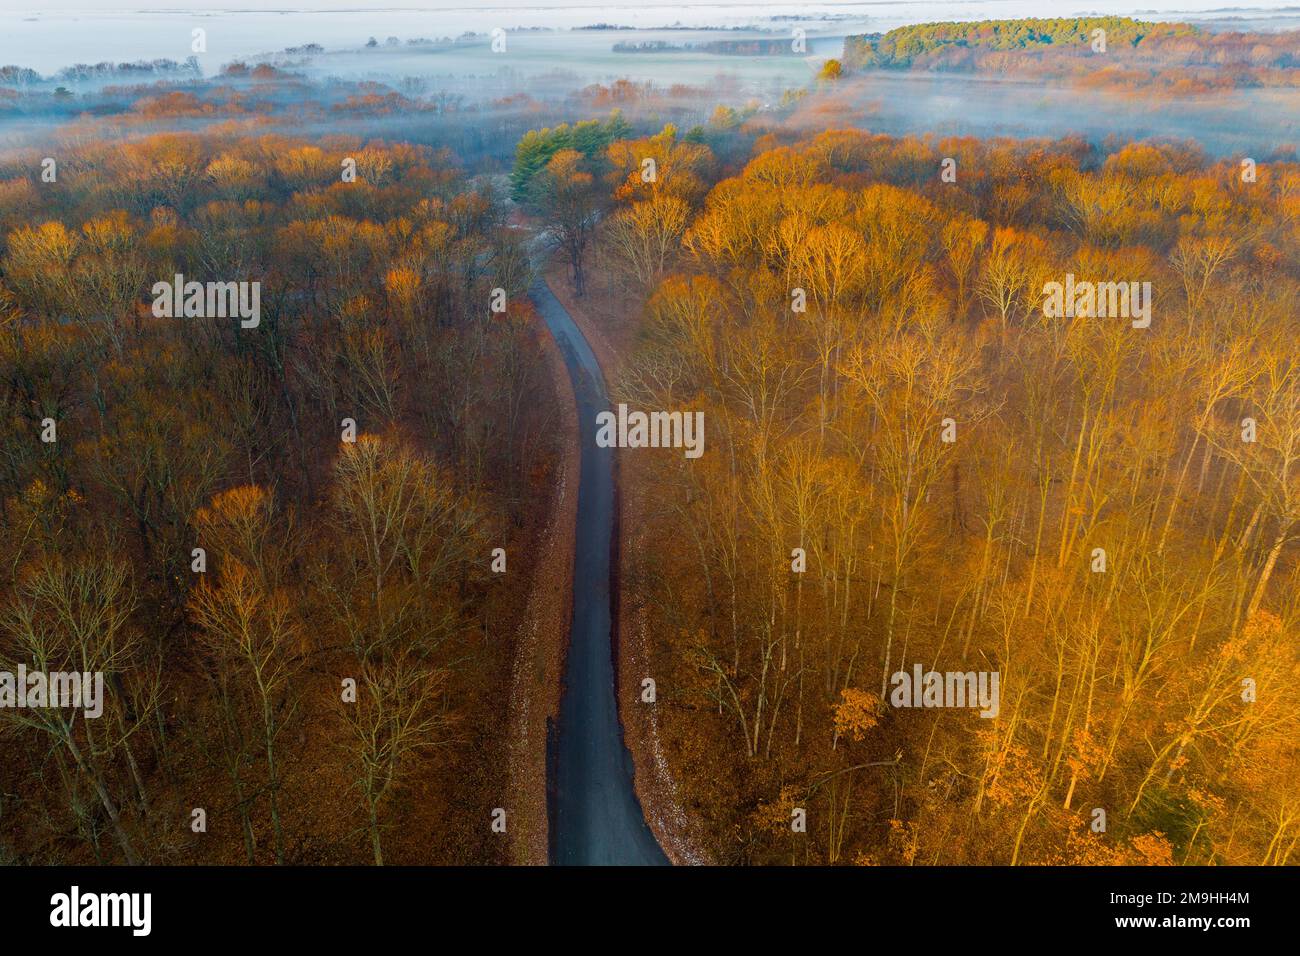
(1024, 412)
(232, 523)
(1118, 53)
(911, 463)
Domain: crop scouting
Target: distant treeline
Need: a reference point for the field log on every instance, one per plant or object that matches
(22, 76)
(904, 46)
(748, 47)
(1127, 54)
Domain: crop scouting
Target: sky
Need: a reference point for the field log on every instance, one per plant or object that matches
(948, 9)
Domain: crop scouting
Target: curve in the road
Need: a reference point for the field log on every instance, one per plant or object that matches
(595, 815)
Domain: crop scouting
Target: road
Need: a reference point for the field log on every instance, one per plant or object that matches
(596, 818)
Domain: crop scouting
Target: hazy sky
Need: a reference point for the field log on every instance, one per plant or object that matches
(882, 7)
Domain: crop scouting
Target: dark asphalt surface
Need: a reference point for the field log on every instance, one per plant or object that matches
(596, 816)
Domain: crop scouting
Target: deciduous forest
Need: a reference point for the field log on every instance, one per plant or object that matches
(324, 557)
(203, 531)
(918, 466)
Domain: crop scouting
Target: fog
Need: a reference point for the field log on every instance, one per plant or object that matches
(50, 35)
(452, 87)
(1255, 122)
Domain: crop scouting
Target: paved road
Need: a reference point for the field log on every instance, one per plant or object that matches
(596, 818)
